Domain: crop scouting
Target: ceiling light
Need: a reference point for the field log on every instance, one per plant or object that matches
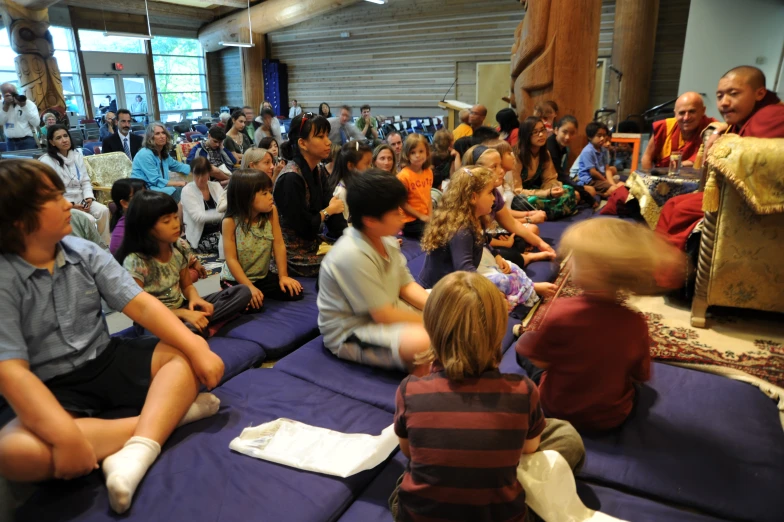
(250, 35)
(380, 2)
(128, 35)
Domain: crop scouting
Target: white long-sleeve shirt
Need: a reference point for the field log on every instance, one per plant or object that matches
(78, 185)
(18, 121)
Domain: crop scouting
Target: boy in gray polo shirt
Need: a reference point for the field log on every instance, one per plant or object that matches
(59, 370)
(369, 304)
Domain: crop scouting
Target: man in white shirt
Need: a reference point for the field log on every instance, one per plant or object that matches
(295, 110)
(342, 130)
(19, 119)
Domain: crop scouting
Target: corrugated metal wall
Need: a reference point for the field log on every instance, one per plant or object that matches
(224, 76)
(402, 57)
(668, 54)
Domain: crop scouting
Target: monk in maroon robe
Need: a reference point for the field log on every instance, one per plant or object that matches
(749, 109)
(682, 134)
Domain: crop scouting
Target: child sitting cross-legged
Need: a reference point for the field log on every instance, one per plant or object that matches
(252, 237)
(586, 379)
(157, 258)
(369, 304)
(60, 370)
(466, 425)
(454, 239)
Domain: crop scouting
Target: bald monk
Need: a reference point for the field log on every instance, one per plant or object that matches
(749, 109)
(683, 133)
(476, 117)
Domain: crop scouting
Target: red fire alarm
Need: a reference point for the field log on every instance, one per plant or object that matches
(117, 66)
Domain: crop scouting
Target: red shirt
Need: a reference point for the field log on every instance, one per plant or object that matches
(595, 349)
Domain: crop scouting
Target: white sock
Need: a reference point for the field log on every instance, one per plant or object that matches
(205, 405)
(125, 470)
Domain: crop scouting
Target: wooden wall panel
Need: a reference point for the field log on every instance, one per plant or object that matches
(225, 78)
(668, 53)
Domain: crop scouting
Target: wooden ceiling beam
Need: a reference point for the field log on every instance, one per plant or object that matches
(265, 17)
(136, 7)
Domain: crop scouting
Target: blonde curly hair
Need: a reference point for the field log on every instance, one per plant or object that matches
(456, 212)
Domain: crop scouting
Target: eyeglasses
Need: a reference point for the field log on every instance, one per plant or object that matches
(305, 116)
(539, 132)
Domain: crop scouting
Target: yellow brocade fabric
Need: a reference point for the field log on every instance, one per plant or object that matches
(754, 166)
(104, 170)
(745, 268)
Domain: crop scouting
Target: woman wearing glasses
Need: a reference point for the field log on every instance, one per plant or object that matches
(537, 182)
(302, 194)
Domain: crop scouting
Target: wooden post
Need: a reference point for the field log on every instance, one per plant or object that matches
(554, 58)
(252, 75)
(634, 39)
(156, 111)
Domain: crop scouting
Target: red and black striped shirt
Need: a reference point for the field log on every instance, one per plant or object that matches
(465, 439)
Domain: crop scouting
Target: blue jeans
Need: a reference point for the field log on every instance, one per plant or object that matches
(26, 143)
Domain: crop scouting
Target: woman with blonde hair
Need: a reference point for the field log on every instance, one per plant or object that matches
(384, 158)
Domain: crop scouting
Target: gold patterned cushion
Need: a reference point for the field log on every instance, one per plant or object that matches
(183, 149)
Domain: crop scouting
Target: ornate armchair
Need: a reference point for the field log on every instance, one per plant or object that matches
(740, 257)
(104, 170)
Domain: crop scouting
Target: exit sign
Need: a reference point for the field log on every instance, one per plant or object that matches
(117, 66)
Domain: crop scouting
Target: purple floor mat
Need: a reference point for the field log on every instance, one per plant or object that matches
(198, 478)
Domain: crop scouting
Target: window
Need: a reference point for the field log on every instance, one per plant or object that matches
(180, 77)
(96, 41)
(64, 53)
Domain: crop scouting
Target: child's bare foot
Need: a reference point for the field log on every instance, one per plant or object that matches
(545, 289)
(538, 256)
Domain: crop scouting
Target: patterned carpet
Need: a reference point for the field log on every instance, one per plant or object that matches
(739, 344)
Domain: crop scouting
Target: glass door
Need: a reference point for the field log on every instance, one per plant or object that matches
(135, 96)
(103, 90)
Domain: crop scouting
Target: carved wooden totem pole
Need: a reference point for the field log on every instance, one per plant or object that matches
(554, 58)
(39, 75)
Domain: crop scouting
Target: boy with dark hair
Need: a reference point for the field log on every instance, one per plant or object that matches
(222, 160)
(591, 164)
(369, 304)
(59, 370)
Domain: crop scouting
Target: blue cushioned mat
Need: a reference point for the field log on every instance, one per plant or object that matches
(198, 478)
(280, 328)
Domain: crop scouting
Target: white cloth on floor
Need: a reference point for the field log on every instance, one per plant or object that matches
(550, 489)
(292, 443)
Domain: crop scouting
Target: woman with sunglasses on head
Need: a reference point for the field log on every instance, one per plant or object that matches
(536, 180)
(302, 195)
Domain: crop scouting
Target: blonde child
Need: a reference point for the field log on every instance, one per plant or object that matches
(512, 184)
(445, 159)
(454, 240)
(588, 379)
(251, 238)
(483, 156)
(417, 176)
(466, 320)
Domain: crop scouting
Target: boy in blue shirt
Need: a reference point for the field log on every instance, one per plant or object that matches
(592, 165)
(59, 370)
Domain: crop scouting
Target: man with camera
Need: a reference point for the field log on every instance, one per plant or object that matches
(19, 119)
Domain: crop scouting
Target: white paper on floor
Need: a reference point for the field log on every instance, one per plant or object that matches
(292, 443)
(550, 489)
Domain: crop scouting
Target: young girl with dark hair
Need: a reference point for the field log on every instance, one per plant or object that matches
(157, 258)
(122, 192)
(301, 194)
(354, 158)
(252, 237)
(237, 140)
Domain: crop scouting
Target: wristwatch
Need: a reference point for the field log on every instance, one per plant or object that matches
(325, 214)
(527, 220)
